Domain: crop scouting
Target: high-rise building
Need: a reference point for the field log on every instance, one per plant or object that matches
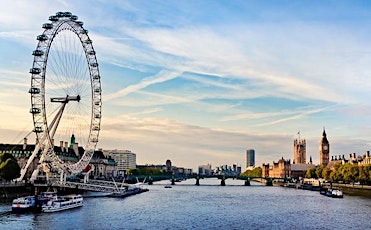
(324, 150)
(168, 165)
(250, 158)
(125, 160)
(300, 151)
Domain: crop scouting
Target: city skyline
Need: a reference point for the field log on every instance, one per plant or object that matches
(199, 82)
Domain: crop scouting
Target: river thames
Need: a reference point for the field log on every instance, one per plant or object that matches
(208, 206)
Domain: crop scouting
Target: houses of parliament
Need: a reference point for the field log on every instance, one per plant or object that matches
(300, 151)
(284, 168)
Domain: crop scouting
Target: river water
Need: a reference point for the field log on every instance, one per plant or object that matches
(208, 206)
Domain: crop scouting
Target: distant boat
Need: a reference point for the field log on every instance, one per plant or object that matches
(167, 186)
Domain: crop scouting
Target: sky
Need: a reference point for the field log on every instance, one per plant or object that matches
(201, 82)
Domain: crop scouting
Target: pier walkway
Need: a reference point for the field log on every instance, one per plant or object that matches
(93, 185)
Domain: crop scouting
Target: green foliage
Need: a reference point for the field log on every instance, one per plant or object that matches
(256, 172)
(337, 174)
(319, 171)
(362, 178)
(349, 173)
(145, 171)
(311, 173)
(326, 172)
(9, 168)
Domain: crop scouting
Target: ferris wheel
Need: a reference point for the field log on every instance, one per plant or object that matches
(65, 91)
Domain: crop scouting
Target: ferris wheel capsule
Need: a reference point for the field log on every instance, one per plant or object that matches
(67, 14)
(74, 17)
(53, 18)
(47, 26)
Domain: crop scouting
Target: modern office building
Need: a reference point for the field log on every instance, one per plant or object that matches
(250, 158)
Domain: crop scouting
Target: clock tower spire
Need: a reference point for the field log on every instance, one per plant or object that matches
(324, 149)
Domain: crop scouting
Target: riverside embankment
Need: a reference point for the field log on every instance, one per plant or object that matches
(348, 189)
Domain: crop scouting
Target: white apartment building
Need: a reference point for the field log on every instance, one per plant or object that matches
(125, 160)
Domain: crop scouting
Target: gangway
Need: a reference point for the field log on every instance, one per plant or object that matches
(102, 187)
(109, 183)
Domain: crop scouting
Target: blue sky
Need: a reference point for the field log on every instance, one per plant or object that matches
(201, 81)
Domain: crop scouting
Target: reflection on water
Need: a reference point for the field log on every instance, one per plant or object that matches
(206, 206)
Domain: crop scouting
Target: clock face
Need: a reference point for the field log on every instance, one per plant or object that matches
(325, 147)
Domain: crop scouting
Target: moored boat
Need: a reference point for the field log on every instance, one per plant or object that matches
(23, 204)
(128, 192)
(63, 203)
(334, 193)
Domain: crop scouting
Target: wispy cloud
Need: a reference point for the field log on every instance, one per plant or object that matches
(162, 76)
(146, 112)
(292, 116)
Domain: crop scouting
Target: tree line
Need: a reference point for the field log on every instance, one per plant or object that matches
(256, 172)
(146, 171)
(347, 173)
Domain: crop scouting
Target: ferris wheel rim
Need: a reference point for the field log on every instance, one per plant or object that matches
(63, 21)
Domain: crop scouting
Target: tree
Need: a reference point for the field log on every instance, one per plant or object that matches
(256, 172)
(368, 169)
(363, 175)
(350, 172)
(336, 174)
(9, 168)
(311, 173)
(346, 171)
(319, 171)
(326, 173)
(354, 171)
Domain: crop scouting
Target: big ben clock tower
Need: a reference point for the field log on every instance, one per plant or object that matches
(324, 150)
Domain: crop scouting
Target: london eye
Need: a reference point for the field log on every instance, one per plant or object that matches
(65, 92)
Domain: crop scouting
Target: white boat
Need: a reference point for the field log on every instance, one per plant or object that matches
(44, 197)
(63, 203)
(335, 193)
(23, 204)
